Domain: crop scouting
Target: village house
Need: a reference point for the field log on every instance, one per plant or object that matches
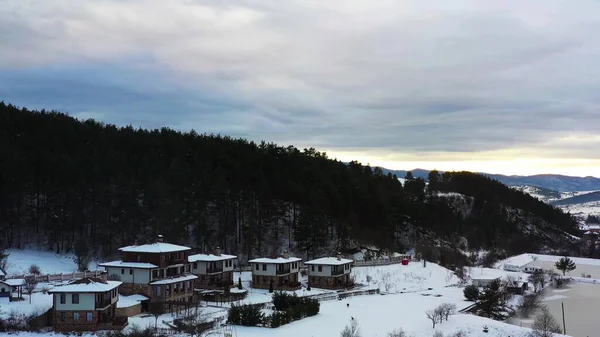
(281, 272)
(214, 271)
(483, 280)
(12, 288)
(160, 271)
(87, 304)
(329, 272)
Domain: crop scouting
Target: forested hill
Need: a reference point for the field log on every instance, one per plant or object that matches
(64, 181)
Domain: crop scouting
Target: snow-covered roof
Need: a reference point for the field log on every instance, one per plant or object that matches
(121, 264)
(15, 282)
(129, 301)
(86, 286)
(157, 247)
(485, 277)
(276, 261)
(331, 261)
(175, 279)
(210, 257)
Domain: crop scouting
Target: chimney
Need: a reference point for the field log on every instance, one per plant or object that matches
(286, 255)
(339, 256)
(218, 251)
(135, 242)
(159, 238)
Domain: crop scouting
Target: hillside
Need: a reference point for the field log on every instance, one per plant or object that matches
(579, 199)
(66, 181)
(540, 193)
(554, 182)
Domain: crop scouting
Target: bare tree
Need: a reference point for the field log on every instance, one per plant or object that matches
(351, 330)
(545, 325)
(156, 310)
(30, 284)
(529, 303)
(433, 315)
(34, 269)
(447, 309)
(194, 324)
(397, 333)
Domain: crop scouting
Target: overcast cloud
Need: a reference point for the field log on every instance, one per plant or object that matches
(431, 79)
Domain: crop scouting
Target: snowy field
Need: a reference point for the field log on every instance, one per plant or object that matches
(524, 259)
(397, 278)
(48, 261)
(583, 209)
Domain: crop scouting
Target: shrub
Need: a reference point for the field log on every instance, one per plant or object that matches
(246, 315)
(397, 333)
(471, 293)
(292, 308)
(35, 269)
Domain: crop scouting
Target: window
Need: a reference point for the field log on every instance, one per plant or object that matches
(312, 268)
(76, 316)
(63, 298)
(264, 267)
(187, 268)
(63, 316)
(122, 271)
(75, 298)
(130, 271)
(256, 266)
(157, 290)
(190, 284)
(139, 258)
(195, 265)
(320, 268)
(90, 317)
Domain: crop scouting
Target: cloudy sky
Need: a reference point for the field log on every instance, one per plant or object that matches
(506, 86)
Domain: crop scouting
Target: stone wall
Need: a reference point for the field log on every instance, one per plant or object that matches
(69, 324)
(130, 311)
(329, 282)
(127, 289)
(285, 282)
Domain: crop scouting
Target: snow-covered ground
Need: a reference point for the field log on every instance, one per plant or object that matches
(523, 259)
(40, 303)
(49, 262)
(583, 209)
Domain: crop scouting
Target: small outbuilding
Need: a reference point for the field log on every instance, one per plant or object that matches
(484, 281)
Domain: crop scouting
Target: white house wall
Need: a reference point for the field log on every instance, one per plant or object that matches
(228, 268)
(200, 268)
(325, 271)
(140, 276)
(87, 302)
(271, 269)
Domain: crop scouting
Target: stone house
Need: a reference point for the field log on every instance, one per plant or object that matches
(214, 271)
(87, 304)
(160, 271)
(329, 272)
(282, 272)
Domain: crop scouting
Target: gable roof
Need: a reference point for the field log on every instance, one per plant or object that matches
(331, 261)
(86, 285)
(276, 261)
(210, 257)
(157, 247)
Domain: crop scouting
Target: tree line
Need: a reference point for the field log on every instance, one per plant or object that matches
(65, 181)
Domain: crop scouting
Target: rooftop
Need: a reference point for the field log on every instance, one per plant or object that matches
(210, 257)
(86, 285)
(277, 260)
(175, 279)
(157, 247)
(141, 265)
(331, 261)
(15, 282)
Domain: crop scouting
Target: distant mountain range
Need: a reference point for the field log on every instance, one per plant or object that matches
(555, 182)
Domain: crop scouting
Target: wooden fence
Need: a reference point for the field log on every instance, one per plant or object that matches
(60, 277)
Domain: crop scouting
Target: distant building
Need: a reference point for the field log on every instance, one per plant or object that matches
(214, 271)
(282, 272)
(160, 271)
(12, 288)
(484, 281)
(329, 272)
(88, 304)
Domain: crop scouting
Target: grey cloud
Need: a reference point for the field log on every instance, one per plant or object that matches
(410, 76)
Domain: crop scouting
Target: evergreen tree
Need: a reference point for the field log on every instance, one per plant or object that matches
(565, 264)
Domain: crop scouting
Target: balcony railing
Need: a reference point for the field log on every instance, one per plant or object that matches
(336, 272)
(103, 304)
(214, 270)
(283, 271)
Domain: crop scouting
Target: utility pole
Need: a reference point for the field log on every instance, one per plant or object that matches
(562, 304)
